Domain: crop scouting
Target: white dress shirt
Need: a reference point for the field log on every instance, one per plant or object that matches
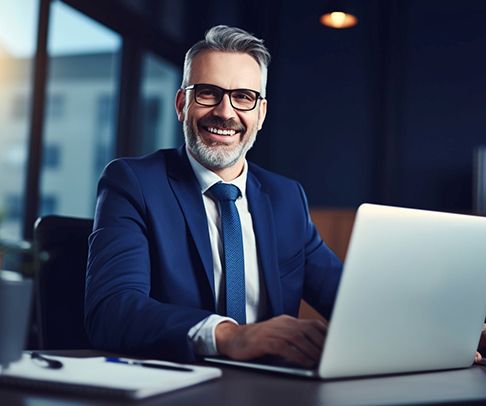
(202, 334)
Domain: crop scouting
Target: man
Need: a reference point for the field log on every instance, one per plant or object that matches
(173, 271)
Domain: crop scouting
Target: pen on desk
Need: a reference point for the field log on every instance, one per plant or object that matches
(148, 364)
(46, 362)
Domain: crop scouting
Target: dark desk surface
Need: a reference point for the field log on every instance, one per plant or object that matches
(244, 387)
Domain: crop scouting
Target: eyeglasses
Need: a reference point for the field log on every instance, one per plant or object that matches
(211, 95)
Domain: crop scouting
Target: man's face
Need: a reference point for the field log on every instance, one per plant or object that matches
(220, 136)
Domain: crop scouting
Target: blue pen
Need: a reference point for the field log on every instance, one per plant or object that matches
(126, 361)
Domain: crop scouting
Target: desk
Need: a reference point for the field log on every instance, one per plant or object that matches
(240, 387)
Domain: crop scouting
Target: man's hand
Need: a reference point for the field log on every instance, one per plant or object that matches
(477, 357)
(297, 340)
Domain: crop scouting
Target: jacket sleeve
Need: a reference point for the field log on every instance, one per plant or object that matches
(322, 269)
(120, 314)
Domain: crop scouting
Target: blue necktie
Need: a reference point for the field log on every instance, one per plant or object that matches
(233, 260)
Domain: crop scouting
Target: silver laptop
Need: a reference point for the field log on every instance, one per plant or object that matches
(411, 297)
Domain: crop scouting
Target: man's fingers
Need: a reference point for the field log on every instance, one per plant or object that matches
(477, 357)
(296, 356)
(290, 352)
(317, 324)
(299, 341)
(302, 343)
(305, 335)
(308, 336)
(315, 331)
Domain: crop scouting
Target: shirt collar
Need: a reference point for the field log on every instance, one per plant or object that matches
(208, 178)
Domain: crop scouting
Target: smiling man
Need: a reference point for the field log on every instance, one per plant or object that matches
(196, 251)
(220, 130)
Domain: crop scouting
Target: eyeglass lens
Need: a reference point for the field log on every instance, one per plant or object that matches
(243, 99)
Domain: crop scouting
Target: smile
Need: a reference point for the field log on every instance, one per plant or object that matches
(220, 131)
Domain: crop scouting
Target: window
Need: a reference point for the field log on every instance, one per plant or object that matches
(51, 156)
(18, 25)
(49, 204)
(158, 122)
(80, 115)
(104, 147)
(13, 207)
(20, 107)
(55, 106)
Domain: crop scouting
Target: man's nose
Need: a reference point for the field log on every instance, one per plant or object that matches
(224, 109)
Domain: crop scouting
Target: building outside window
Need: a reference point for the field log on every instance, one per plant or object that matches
(51, 156)
(83, 69)
(18, 27)
(80, 111)
(158, 123)
(20, 107)
(55, 105)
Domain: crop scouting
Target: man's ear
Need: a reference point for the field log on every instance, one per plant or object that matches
(180, 101)
(262, 113)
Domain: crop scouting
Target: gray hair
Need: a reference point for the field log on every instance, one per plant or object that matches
(229, 39)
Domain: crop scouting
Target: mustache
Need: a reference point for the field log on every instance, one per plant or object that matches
(217, 122)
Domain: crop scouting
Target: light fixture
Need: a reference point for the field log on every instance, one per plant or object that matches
(338, 16)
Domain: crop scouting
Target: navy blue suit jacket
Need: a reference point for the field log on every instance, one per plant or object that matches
(150, 271)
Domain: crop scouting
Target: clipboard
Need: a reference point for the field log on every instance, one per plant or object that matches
(95, 376)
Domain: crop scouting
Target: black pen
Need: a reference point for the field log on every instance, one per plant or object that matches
(46, 362)
(146, 364)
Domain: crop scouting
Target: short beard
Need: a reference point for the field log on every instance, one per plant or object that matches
(216, 156)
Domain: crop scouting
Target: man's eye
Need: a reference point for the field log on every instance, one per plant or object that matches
(207, 93)
(243, 96)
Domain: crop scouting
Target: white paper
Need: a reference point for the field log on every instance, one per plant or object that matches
(131, 380)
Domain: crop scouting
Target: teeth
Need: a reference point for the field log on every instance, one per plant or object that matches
(221, 132)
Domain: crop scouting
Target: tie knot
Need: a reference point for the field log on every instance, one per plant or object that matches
(225, 191)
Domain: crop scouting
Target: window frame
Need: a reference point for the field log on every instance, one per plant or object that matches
(137, 37)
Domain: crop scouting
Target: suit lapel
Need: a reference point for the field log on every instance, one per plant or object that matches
(262, 216)
(188, 192)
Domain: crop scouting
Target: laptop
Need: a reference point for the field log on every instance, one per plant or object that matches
(411, 297)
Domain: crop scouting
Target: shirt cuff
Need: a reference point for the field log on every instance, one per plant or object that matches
(202, 335)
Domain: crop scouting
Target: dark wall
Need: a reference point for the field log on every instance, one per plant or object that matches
(320, 128)
(444, 108)
(389, 111)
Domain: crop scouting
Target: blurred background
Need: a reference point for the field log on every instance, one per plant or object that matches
(391, 110)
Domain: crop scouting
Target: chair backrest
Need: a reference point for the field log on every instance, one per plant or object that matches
(60, 282)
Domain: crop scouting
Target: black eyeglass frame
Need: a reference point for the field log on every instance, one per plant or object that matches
(224, 91)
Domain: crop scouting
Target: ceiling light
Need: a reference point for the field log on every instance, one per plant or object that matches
(338, 16)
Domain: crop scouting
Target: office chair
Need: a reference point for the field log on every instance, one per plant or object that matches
(59, 288)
